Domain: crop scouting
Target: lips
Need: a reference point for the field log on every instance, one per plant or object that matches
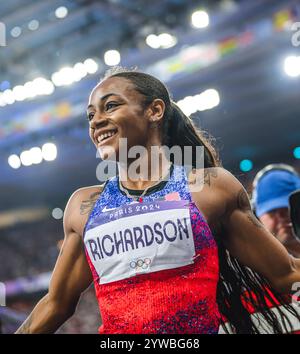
(105, 136)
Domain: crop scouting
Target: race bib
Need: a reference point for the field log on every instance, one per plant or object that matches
(140, 238)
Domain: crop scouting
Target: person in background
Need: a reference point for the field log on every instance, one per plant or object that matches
(272, 188)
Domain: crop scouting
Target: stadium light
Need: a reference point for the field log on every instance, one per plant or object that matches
(25, 158)
(112, 57)
(163, 40)
(49, 151)
(36, 155)
(30, 89)
(79, 71)
(246, 165)
(8, 97)
(14, 161)
(33, 25)
(90, 65)
(296, 152)
(41, 86)
(166, 40)
(63, 77)
(19, 93)
(200, 19)
(68, 75)
(57, 213)
(292, 66)
(204, 101)
(61, 12)
(153, 41)
(16, 32)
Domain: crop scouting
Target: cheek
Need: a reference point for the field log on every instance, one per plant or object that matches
(135, 131)
(268, 221)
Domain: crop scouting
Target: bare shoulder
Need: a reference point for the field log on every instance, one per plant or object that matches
(216, 177)
(79, 207)
(218, 189)
(233, 191)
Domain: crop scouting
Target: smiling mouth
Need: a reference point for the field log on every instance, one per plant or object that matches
(106, 136)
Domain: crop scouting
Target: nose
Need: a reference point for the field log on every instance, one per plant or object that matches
(98, 121)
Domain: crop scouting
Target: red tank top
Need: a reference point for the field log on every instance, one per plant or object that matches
(155, 270)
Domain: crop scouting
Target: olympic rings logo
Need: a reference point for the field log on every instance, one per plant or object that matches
(140, 264)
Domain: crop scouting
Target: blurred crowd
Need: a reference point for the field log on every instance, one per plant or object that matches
(86, 319)
(29, 249)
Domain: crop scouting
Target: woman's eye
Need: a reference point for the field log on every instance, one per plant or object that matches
(110, 105)
(90, 116)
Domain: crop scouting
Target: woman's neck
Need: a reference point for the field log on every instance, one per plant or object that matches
(144, 172)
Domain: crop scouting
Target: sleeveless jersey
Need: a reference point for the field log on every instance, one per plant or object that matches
(170, 283)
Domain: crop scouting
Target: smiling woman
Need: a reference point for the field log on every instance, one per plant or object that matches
(180, 259)
(114, 112)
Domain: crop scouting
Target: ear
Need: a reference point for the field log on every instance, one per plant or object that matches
(156, 110)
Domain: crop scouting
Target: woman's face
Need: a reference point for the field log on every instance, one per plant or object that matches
(115, 111)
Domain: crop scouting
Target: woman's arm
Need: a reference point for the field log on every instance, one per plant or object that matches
(249, 241)
(71, 276)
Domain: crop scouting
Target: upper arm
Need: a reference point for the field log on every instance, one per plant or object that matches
(249, 241)
(71, 274)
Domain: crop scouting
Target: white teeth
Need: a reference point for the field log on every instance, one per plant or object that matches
(105, 135)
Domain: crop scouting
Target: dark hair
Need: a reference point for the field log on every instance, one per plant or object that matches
(239, 287)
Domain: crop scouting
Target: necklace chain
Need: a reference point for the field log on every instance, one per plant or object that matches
(140, 197)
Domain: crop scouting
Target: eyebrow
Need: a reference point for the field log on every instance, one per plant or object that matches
(104, 98)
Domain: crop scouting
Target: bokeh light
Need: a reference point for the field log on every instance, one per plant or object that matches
(296, 152)
(200, 19)
(246, 165)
